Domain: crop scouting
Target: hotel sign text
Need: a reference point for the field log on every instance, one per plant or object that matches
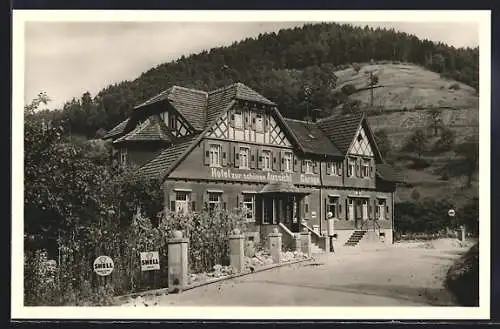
(229, 174)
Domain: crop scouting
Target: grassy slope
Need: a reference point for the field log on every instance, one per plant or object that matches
(403, 89)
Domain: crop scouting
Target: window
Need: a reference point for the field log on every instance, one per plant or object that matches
(259, 123)
(214, 155)
(288, 161)
(164, 117)
(351, 168)
(244, 158)
(249, 206)
(214, 200)
(238, 119)
(173, 122)
(123, 157)
(182, 199)
(309, 166)
(333, 206)
(266, 160)
(365, 168)
(336, 169)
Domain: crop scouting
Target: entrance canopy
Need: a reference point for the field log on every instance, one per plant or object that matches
(283, 188)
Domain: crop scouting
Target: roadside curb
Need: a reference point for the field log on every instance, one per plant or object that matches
(163, 291)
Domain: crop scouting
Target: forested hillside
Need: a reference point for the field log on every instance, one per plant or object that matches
(296, 68)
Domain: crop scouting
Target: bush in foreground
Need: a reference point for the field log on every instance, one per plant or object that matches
(462, 278)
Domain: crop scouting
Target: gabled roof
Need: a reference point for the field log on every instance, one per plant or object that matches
(117, 130)
(159, 166)
(153, 129)
(341, 129)
(190, 103)
(311, 139)
(200, 108)
(388, 173)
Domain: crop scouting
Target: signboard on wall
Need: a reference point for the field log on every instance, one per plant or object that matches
(150, 261)
(262, 176)
(250, 176)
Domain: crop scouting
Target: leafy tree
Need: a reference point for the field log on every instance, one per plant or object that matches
(436, 123)
(383, 142)
(446, 140)
(469, 150)
(278, 65)
(416, 142)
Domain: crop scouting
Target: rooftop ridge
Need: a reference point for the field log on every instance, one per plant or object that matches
(224, 88)
(190, 89)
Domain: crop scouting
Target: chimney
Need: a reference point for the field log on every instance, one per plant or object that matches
(315, 114)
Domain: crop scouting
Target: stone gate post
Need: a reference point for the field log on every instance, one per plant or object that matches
(177, 262)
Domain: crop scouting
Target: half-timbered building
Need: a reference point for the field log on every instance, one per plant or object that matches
(232, 148)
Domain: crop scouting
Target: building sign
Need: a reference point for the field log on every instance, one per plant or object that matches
(250, 176)
(103, 265)
(150, 261)
(308, 179)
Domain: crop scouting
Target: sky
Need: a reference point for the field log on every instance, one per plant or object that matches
(65, 59)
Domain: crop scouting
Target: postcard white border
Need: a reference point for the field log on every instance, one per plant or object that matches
(18, 311)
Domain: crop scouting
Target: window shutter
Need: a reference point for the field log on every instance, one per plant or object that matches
(236, 151)
(259, 159)
(172, 201)
(340, 208)
(253, 157)
(386, 212)
(225, 155)
(325, 211)
(282, 162)
(328, 168)
(207, 153)
(372, 171)
(224, 201)
(303, 166)
(316, 167)
(252, 120)
(231, 118)
(295, 164)
(346, 209)
(358, 170)
(274, 154)
(205, 200)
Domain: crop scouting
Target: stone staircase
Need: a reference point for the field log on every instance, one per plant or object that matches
(355, 237)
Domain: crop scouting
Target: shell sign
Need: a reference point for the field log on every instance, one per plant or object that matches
(103, 265)
(150, 261)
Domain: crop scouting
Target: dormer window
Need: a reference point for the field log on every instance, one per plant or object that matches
(164, 117)
(351, 167)
(173, 123)
(309, 166)
(336, 169)
(365, 168)
(259, 123)
(238, 119)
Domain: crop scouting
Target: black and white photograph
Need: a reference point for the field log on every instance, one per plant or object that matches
(251, 164)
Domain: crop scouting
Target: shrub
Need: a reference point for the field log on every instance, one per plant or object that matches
(349, 89)
(208, 235)
(356, 67)
(454, 86)
(462, 278)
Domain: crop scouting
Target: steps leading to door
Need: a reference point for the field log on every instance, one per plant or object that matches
(355, 237)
